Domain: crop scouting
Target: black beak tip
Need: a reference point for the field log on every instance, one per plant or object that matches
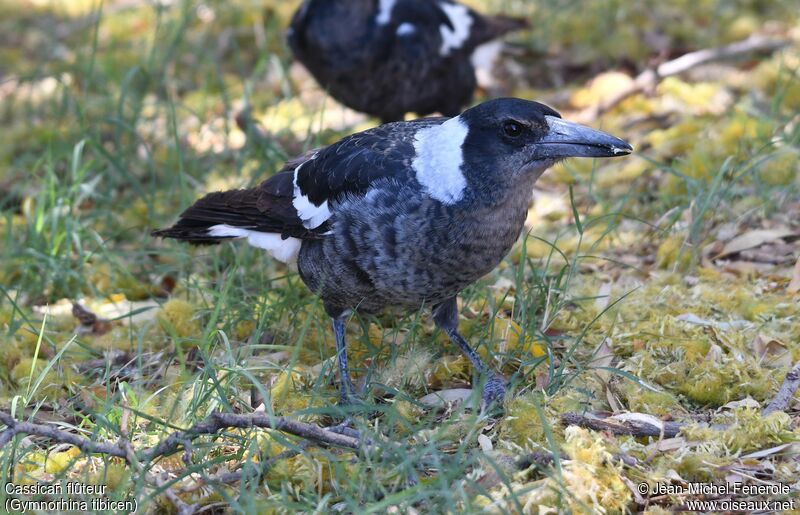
(622, 148)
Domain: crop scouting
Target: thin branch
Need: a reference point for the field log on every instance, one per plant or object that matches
(213, 424)
(649, 79)
(6, 436)
(786, 392)
(628, 427)
(216, 422)
(84, 444)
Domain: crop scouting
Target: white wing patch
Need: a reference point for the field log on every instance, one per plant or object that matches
(483, 60)
(461, 21)
(311, 214)
(282, 250)
(438, 160)
(385, 11)
(406, 29)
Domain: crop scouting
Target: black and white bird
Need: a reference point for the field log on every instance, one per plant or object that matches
(406, 214)
(391, 57)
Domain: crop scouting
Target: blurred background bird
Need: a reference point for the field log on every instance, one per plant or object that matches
(391, 57)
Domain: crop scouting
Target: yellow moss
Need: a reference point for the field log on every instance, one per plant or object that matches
(408, 411)
(781, 169)
(590, 479)
(449, 370)
(179, 315)
(605, 85)
(57, 462)
(699, 466)
(713, 384)
(623, 175)
(741, 132)
(699, 98)
(677, 139)
(673, 253)
(21, 372)
(284, 389)
(522, 423)
(748, 430)
(243, 329)
(11, 353)
(778, 78)
(647, 401)
(409, 372)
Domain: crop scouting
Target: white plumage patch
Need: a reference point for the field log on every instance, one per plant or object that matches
(461, 21)
(406, 29)
(385, 11)
(438, 160)
(483, 60)
(282, 250)
(311, 214)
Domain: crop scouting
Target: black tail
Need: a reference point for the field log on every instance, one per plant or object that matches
(195, 223)
(267, 208)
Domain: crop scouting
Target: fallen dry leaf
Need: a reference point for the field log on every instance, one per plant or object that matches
(753, 239)
(89, 323)
(794, 285)
(772, 352)
(442, 398)
(747, 402)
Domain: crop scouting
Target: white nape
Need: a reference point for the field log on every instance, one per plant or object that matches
(311, 214)
(385, 11)
(438, 160)
(282, 250)
(406, 29)
(460, 19)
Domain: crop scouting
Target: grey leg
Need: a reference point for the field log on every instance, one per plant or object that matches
(446, 317)
(346, 388)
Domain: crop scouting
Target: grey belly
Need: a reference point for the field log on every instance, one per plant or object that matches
(402, 249)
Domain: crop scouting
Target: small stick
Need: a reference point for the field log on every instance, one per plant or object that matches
(648, 79)
(786, 392)
(628, 427)
(215, 422)
(51, 433)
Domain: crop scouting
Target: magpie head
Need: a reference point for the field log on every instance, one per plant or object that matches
(513, 136)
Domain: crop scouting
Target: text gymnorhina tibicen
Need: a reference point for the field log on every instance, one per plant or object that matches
(390, 57)
(406, 214)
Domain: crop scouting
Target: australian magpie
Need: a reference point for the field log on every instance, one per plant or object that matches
(405, 214)
(390, 57)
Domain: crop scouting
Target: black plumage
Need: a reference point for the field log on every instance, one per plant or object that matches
(391, 57)
(407, 214)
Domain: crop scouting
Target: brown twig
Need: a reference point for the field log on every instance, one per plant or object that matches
(216, 422)
(213, 424)
(84, 444)
(636, 428)
(786, 392)
(649, 79)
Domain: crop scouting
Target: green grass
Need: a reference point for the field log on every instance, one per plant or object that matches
(118, 116)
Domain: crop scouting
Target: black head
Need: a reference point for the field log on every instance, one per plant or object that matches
(510, 136)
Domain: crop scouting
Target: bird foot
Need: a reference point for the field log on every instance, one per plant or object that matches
(349, 395)
(493, 391)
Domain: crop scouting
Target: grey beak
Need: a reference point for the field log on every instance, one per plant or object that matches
(567, 139)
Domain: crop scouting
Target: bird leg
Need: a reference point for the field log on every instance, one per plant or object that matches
(446, 317)
(346, 388)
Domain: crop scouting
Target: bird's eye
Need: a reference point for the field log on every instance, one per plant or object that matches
(512, 129)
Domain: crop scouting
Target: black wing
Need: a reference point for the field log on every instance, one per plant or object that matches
(351, 165)
(343, 169)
